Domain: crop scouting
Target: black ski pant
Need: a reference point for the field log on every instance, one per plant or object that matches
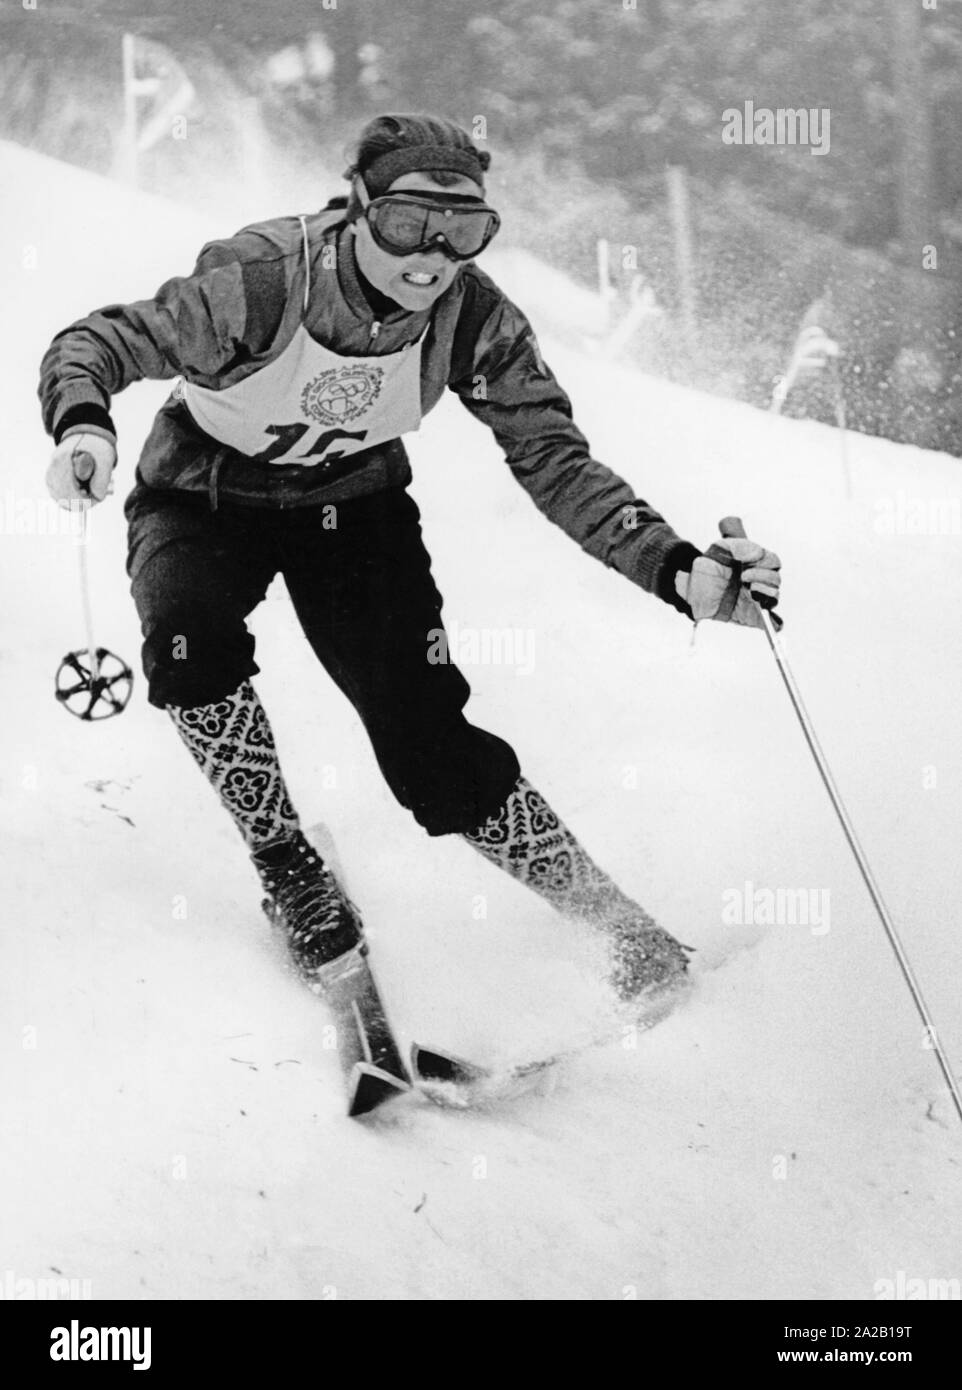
(360, 581)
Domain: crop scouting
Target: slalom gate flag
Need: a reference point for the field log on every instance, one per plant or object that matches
(161, 88)
(814, 349)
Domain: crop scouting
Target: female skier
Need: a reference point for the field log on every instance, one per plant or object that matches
(303, 348)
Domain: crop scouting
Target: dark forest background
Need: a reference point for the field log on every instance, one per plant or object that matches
(585, 104)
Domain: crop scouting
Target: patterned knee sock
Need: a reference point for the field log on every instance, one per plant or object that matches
(233, 745)
(528, 841)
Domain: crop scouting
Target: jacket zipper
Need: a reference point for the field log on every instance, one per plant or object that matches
(375, 330)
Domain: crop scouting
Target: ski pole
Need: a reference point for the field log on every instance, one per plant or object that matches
(84, 467)
(731, 527)
(100, 688)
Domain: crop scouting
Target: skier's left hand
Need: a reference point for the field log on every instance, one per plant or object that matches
(705, 588)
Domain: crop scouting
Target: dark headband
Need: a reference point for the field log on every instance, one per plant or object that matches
(381, 172)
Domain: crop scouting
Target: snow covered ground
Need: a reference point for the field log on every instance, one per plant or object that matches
(172, 1125)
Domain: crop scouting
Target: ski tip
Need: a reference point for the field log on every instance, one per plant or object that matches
(370, 1087)
(428, 1064)
(454, 1084)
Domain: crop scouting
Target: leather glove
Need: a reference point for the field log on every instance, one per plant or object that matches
(730, 580)
(70, 477)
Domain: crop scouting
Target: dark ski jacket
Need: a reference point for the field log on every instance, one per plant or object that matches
(210, 326)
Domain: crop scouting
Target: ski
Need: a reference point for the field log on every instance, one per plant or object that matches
(453, 1081)
(371, 1063)
(370, 1059)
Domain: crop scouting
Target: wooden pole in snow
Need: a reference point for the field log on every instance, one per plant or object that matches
(679, 207)
(129, 137)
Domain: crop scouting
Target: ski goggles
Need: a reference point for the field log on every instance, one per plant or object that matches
(404, 223)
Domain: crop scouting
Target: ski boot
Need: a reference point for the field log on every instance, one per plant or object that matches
(305, 900)
(647, 962)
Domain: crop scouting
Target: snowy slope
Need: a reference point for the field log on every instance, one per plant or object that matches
(172, 1123)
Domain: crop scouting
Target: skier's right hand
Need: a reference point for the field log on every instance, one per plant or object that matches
(81, 469)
